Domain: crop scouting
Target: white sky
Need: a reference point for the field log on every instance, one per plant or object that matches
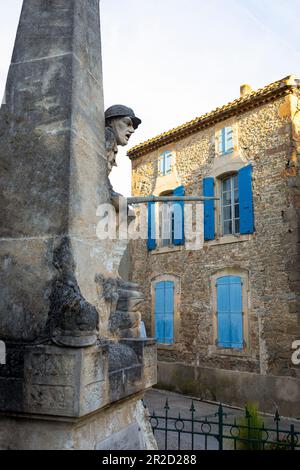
(172, 60)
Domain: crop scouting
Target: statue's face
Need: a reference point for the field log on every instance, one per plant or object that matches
(123, 129)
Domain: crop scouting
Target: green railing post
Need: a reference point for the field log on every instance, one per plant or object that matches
(192, 410)
(248, 418)
(293, 437)
(221, 422)
(166, 421)
(179, 433)
(277, 419)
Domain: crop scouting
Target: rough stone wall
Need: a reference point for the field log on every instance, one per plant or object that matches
(266, 139)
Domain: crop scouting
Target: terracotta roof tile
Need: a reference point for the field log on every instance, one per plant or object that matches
(273, 90)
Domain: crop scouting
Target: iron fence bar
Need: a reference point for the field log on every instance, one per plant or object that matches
(179, 433)
(192, 412)
(205, 441)
(292, 437)
(277, 419)
(166, 421)
(221, 416)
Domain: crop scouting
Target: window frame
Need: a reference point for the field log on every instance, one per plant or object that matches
(166, 156)
(222, 140)
(171, 243)
(161, 221)
(221, 207)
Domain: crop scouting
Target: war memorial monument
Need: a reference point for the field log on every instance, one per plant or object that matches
(75, 367)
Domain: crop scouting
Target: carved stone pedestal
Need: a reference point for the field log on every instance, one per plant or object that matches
(89, 398)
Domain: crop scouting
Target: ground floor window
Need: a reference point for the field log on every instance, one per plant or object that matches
(164, 312)
(230, 333)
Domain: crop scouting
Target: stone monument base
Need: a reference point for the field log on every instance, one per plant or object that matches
(121, 426)
(85, 398)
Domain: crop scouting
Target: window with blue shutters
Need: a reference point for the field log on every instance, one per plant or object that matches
(164, 312)
(230, 312)
(165, 163)
(170, 219)
(225, 140)
(233, 213)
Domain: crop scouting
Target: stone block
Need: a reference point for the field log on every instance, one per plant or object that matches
(55, 381)
(126, 439)
(146, 351)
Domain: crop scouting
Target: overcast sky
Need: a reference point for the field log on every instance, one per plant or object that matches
(172, 60)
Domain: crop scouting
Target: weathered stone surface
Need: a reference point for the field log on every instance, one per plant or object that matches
(60, 381)
(53, 176)
(52, 131)
(65, 382)
(146, 351)
(121, 356)
(123, 300)
(132, 367)
(127, 439)
(91, 433)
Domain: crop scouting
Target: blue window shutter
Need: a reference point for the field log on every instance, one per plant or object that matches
(246, 200)
(169, 313)
(230, 314)
(209, 209)
(159, 311)
(164, 312)
(178, 211)
(151, 226)
(224, 339)
(236, 312)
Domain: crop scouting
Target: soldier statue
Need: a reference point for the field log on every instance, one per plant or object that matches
(124, 297)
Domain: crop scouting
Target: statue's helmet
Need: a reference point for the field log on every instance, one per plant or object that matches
(119, 110)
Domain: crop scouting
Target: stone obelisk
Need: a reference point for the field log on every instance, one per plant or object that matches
(59, 373)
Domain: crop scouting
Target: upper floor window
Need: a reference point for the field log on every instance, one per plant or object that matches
(235, 206)
(225, 140)
(230, 209)
(166, 222)
(165, 163)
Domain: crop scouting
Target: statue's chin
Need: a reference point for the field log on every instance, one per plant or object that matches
(122, 141)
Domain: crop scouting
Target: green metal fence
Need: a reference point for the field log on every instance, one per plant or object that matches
(216, 432)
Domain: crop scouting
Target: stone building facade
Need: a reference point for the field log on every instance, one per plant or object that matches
(257, 266)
